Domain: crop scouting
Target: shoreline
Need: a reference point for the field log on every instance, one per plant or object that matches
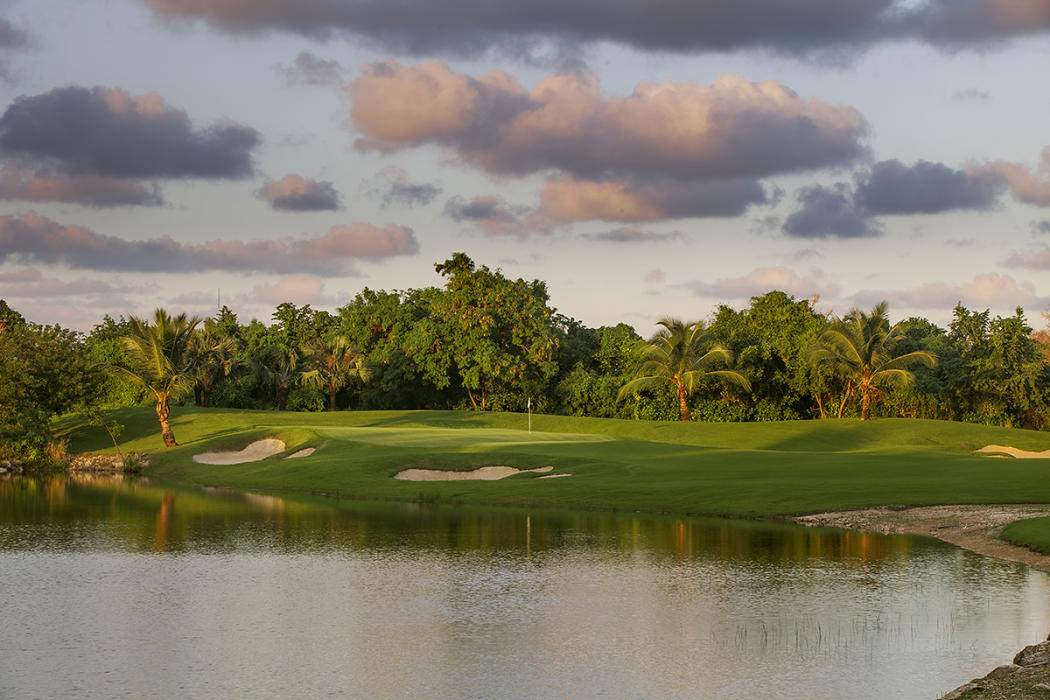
(972, 527)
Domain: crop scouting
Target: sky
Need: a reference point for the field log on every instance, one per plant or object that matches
(644, 159)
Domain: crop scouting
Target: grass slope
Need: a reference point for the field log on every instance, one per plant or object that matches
(749, 469)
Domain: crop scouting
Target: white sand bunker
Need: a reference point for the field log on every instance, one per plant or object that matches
(479, 474)
(305, 452)
(1014, 452)
(260, 449)
(554, 476)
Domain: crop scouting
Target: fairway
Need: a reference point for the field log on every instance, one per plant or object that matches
(739, 469)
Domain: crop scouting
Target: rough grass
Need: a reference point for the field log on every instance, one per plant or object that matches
(750, 470)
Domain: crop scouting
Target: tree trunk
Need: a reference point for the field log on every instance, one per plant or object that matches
(845, 399)
(470, 394)
(197, 392)
(820, 406)
(865, 404)
(683, 405)
(165, 427)
(331, 396)
(282, 396)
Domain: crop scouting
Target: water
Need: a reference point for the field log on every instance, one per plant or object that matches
(124, 589)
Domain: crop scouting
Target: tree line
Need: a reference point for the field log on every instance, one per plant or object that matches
(486, 342)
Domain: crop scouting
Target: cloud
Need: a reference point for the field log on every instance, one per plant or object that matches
(960, 23)
(925, 188)
(1041, 226)
(34, 238)
(971, 94)
(11, 37)
(567, 199)
(655, 276)
(471, 27)
(28, 184)
(26, 274)
(805, 255)
(107, 132)
(1032, 259)
(890, 188)
(296, 193)
(311, 70)
(633, 234)
(395, 187)
(988, 291)
(1031, 187)
(762, 280)
(298, 289)
(828, 212)
(730, 129)
(495, 217)
(50, 287)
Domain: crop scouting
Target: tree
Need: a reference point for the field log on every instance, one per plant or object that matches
(333, 363)
(161, 362)
(278, 365)
(496, 335)
(681, 355)
(44, 371)
(859, 348)
(214, 354)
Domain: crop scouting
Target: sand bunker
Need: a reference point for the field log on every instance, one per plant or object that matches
(305, 452)
(479, 474)
(1014, 452)
(260, 449)
(554, 476)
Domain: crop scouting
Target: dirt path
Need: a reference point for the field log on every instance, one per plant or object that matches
(975, 528)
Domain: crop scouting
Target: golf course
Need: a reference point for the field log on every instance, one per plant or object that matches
(751, 470)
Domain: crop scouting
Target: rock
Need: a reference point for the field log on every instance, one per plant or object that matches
(1034, 655)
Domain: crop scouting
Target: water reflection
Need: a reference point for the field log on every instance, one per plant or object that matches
(145, 589)
(136, 515)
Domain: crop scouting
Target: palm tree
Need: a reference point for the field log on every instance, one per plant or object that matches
(332, 364)
(859, 347)
(279, 365)
(681, 355)
(160, 361)
(213, 353)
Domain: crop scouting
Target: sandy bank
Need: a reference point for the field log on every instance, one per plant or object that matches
(975, 528)
(1014, 452)
(260, 449)
(305, 452)
(480, 474)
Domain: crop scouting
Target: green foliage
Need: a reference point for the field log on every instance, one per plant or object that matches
(859, 349)
(492, 335)
(44, 372)
(161, 359)
(105, 346)
(331, 364)
(682, 356)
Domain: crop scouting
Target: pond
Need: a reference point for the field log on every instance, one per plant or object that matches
(128, 589)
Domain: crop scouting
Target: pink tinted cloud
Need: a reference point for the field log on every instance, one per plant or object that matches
(1027, 185)
(762, 280)
(23, 183)
(988, 290)
(296, 193)
(567, 199)
(297, 289)
(34, 238)
(732, 128)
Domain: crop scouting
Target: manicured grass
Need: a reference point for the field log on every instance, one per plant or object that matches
(751, 470)
(1033, 533)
